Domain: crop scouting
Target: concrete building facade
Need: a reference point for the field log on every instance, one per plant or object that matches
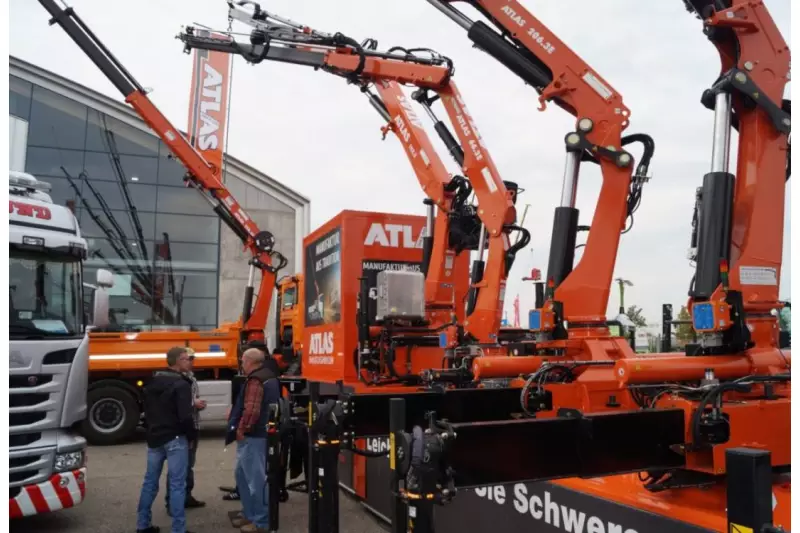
(175, 263)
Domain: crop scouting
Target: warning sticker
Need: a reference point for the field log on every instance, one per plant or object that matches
(736, 528)
(598, 86)
(752, 275)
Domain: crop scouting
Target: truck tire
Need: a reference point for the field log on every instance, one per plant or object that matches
(112, 416)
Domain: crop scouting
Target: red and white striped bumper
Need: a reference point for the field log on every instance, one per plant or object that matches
(61, 491)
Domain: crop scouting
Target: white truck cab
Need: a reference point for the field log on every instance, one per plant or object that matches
(48, 349)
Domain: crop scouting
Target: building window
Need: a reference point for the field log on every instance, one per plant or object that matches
(188, 228)
(46, 162)
(182, 200)
(198, 311)
(55, 121)
(18, 142)
(158, 238)
(118, 167)
(107, 134)
(62, 192)
(19, 97)
(118, 226)
(157, 284)
(170, 170)
(120, 195)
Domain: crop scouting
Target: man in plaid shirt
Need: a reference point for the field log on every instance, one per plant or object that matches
(248, 422)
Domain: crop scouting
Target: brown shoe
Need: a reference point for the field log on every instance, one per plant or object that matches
(251, 528)
(241, 523)
(237, 519)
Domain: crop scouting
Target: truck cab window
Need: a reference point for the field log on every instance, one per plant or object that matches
(289, 297)
(43, 295)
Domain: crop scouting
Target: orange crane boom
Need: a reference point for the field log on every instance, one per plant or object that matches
(530, 50)
(202, 176)
(362, 65)
(740, 233)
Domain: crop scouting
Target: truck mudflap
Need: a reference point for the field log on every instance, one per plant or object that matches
(61, 491)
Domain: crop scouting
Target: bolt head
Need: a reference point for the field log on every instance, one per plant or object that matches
(585, 124)
(748, 65)
(573, 139)
(787, 122)
(624, 159)
(740, 77)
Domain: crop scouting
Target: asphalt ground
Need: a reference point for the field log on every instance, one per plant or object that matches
(114, 480)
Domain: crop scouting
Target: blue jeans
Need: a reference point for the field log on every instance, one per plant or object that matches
(251, 479)
(176, 454)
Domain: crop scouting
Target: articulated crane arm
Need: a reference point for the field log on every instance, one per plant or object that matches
(739, 238)
(531, 51)
(277, 39)
(202, 176)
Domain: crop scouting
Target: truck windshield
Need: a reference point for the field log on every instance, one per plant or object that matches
(44, 295)
(289, 297)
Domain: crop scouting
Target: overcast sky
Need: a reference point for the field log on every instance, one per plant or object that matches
(318, 135)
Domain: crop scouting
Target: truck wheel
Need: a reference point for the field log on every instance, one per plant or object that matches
(112, 416)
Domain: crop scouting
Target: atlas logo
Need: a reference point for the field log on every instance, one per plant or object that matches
(462, 122)
(321, 343)
(393, 236)
(28, 210)
(412, 116)
(211, 101)
(513, 16)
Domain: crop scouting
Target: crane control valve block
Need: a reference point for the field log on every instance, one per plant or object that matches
(541, 320)
(709, 317)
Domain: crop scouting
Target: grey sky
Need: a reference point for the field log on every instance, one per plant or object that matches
(319, 136)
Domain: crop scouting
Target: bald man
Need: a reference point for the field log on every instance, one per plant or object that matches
(248, 420)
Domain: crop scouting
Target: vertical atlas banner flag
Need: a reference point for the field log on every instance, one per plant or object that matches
(208, 101)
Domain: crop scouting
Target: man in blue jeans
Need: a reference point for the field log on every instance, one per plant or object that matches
(170, 427)
(247, 424)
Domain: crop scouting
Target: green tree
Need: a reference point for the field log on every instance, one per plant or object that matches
(684, 332)
(636, 316)
(785, 319)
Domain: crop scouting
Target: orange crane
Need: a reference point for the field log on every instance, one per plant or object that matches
(457, 226)
(721, 411)
(121, 363)
(572, 320)
(740, 230)
(202, 176)
(530, 50)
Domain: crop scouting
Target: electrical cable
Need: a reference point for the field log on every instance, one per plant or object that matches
(743, 384)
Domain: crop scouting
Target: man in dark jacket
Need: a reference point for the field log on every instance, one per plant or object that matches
(197, 406)
(170, 426)
(247, 424)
